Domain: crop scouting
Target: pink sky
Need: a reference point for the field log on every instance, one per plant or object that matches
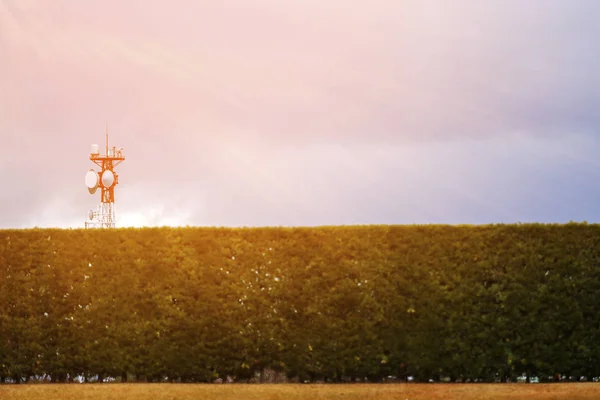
(263, 112)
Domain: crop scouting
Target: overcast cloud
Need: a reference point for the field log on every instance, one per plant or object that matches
(302, 112)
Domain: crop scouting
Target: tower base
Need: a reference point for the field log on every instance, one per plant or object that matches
(103, 217)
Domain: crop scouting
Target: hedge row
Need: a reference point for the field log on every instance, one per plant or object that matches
(196, 304)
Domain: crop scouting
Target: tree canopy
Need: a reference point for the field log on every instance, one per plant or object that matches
(482, 302)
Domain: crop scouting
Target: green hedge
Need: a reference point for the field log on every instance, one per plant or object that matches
(486, 302)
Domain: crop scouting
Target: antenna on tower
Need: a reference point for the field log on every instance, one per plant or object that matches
(106, 180)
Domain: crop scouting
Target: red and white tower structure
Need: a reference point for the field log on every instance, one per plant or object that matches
(105, 180)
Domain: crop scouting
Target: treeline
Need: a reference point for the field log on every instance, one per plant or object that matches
(330, 303)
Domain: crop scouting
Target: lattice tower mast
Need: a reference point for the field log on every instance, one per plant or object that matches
(106, 180)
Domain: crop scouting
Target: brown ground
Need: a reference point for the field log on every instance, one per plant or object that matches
(166, 391)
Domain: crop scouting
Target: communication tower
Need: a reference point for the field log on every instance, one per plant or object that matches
(106, 180)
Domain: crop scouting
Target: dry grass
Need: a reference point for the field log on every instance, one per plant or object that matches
(138, 391)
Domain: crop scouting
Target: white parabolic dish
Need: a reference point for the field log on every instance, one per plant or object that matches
(108, 178)
(91, 179)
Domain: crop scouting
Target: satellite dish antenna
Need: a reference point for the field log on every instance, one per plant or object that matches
(91, 180)
(108, 178)
(91, 215)
(92, 191)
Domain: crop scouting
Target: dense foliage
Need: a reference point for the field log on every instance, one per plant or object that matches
(195, 304)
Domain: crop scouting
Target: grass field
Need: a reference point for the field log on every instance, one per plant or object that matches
(165, 391)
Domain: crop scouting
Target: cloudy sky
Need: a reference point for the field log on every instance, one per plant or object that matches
(302, 112)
